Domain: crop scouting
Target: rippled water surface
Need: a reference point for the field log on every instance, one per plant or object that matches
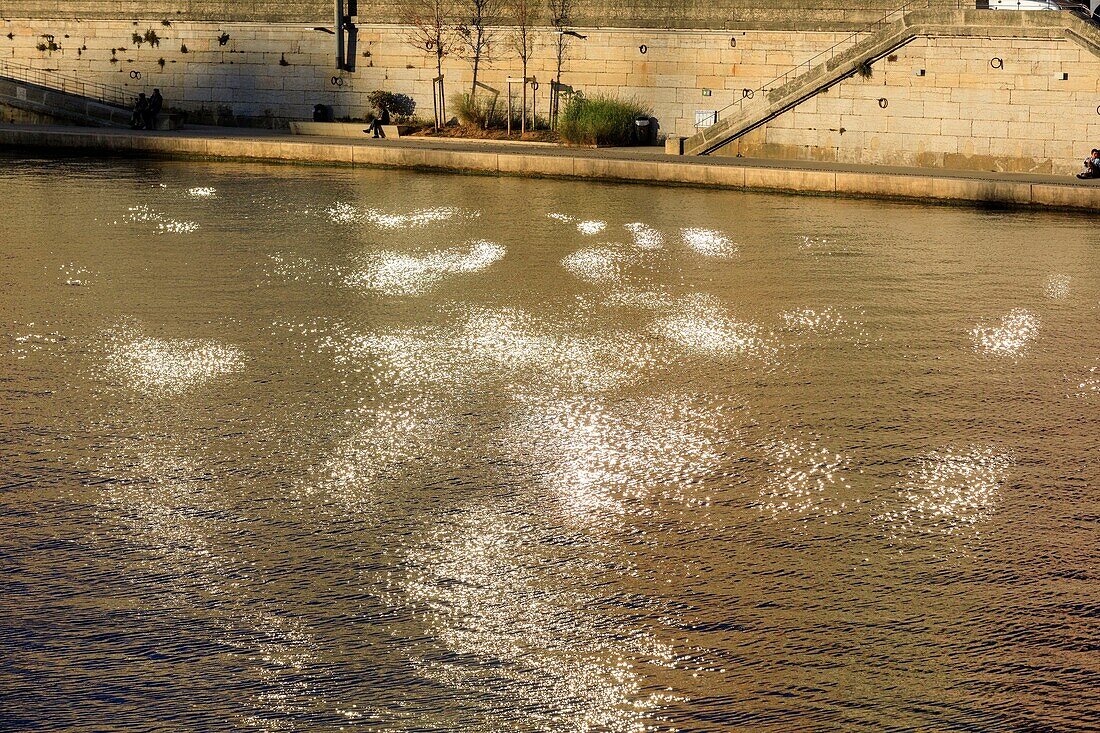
(295, 449)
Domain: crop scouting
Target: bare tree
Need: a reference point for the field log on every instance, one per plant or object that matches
(561, 17)
(431, 31)
(476, 32)
(522, 14)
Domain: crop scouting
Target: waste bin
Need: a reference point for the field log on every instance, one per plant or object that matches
(322, 113)
(645, 130)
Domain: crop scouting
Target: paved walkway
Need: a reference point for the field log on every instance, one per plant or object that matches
(640, 164)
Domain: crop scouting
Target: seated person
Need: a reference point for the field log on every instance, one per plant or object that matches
(382, 118)
(141, 111)
(1092, 165)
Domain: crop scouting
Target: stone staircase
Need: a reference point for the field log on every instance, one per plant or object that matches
(64, 98)
(795, 88)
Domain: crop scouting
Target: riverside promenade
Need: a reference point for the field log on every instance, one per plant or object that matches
(641, 165)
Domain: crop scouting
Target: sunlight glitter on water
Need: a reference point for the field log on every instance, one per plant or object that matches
(702, 326)
(709, 242)
(169, 366)
(164, 224)
(380, 444)
(1057, 286)
(479, 583)
(605, 459)
(645, 236)
(805, 479)
(489, 348)
(594, 264)
(1010, 337)
(815, 320)
(344, 213)
(950, 492)
(591, 227)
(399, 273)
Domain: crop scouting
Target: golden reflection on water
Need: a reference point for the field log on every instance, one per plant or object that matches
(169, 366)
(480, 586)
(399, 273)
(603, 460)
(609, 470)
(950, 492)
(1011, 336)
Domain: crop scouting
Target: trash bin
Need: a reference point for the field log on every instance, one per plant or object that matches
(322, 113)
(645, 130)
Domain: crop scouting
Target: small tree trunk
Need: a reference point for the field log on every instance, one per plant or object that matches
(523, 109)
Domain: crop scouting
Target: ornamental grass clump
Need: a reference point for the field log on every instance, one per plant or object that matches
(483, 111)
(600, 120)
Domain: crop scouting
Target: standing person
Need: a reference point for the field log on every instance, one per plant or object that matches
(141, 111)
(156, 102)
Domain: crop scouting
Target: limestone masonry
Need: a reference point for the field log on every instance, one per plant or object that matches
(1024, 101)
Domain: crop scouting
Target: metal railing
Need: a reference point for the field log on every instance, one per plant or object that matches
(822, 57)
(68, 83)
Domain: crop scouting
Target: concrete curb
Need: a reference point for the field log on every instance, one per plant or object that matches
(675, 170)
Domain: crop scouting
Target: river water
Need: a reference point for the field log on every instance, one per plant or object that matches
(296, 449)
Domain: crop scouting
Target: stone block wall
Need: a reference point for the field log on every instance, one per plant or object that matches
(713, 14)
(284, 69)
(953, 102)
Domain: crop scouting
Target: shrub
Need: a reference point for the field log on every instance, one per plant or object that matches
(399, 105)
(485, 111)
(137, 39)
(152, 38)
(600, 120)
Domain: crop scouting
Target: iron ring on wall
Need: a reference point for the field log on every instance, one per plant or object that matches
(135, 74)
(747, 94)
(733, 42)
(336, 81)
(997, 62)
(643, 48)
(883, 102)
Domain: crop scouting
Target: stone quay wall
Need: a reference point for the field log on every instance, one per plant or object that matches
(284, 69)
(1038, 111)
(966, 103)
(712, 14)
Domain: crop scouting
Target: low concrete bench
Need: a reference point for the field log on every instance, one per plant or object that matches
(169, 121)
(347, 129)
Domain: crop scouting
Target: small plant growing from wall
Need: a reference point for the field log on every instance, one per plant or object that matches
(223, 39)
(166, 23)
(183, 48)
(283, 61)
(137, 39)
(864, 69)
(161, 62)
(48, 43)
(11, 36)
(152, 38)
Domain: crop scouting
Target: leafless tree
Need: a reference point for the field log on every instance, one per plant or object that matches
(523, 43)
(476, 31)
(561, 17)
(431, 30)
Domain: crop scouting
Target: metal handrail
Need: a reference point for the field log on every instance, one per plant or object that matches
(69, 84)
(830, 52)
